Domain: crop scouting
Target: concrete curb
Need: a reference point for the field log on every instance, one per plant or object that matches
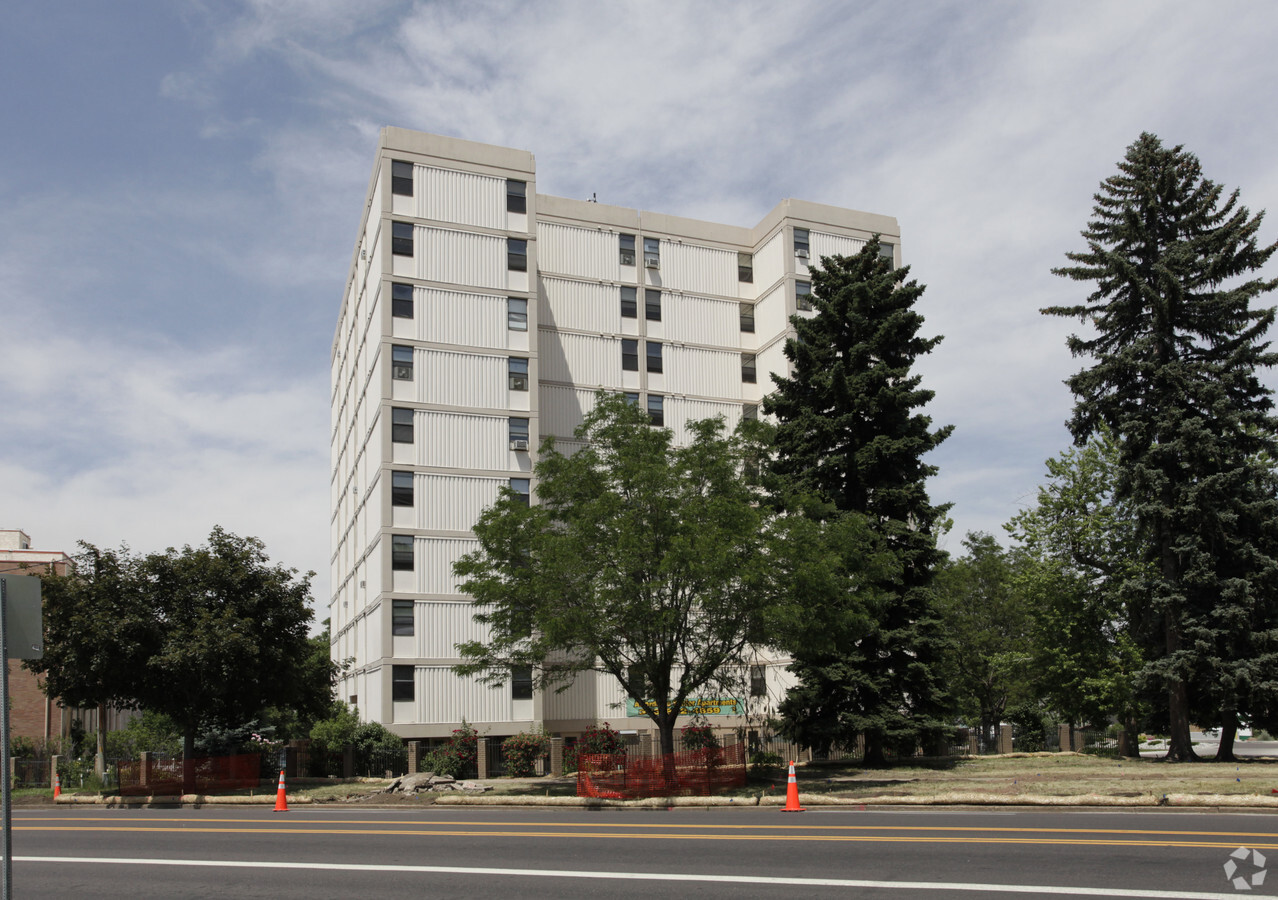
(183, 800)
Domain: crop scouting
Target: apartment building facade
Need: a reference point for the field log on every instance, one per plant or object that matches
(480, 316)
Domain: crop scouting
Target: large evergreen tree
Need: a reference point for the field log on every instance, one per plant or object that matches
(1176, 351)
(849, 433)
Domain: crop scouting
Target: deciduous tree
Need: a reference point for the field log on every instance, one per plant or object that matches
(640, 560)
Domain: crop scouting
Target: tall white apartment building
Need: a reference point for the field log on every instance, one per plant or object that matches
(480, 316)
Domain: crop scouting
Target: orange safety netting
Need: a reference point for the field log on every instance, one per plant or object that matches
(693, 773)
(164, 777)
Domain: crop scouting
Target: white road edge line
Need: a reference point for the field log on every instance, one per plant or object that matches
(646, 876)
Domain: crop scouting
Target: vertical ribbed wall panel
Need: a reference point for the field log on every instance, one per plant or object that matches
(460, 379)
(824, 244)
(679, 411)
(562, 409)
(583, 306)
(577, 702)
(692, 370)
(687, 267)
(701, 320)
(433, 563)
(609, 697)
(580, 358)
(772, 360)
(454, 317)
(441, 625)
(583, 252)
(769, 314)
(445, 698)
(769, 262)
(453, 502)
(459, 441)
(458, 257)
(461, 197)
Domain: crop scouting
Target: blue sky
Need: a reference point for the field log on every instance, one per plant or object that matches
(181, 182)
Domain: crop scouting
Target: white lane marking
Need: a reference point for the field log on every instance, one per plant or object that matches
(647, 876)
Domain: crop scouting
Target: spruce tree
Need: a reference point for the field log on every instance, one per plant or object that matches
(850, 434)
(1176, 351)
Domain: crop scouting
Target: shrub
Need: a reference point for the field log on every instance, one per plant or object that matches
(378, 750)
(521, 752)
(150, 732)
(595, 739)
(699, 737)
(765, 764)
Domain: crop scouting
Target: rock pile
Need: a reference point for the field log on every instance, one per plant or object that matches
(429, 781)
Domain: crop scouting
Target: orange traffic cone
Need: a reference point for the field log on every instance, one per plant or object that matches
(57, 785)
(281, 800)
(792, 794)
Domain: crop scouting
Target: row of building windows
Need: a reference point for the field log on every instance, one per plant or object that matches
(402, 245)
(630, 355)
(402, 307)
(402, 184)
(404, 689)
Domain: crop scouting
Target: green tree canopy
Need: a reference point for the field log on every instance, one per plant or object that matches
(1176, 351)
(989, 622)
(850, 434)
(640, 559)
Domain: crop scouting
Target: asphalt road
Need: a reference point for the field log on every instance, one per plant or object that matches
(493, 852)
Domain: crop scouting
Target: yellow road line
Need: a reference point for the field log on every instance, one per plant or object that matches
(864, 838)
(720, 827)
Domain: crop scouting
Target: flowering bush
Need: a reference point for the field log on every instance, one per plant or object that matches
(595, 739)
(522, 751)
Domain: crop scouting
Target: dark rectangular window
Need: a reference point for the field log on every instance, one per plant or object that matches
(747, 368)
(516, 313)
(402, 178)
(402, 552)
(629, 305)
(747, 317)
(402, 238)
(402, 683)
(654, 356)
(745, 267)
(627, 243)
(632, 397)
(803, 295)
(521, 683)
(750, 412)
(518, 429)
(402, 301)
(652, 306)
(402, 618)
(401, 363)
(888, 252)
(516, 255)
(516, 196)
(801, 248)
(401, 488)
(629, 355)
(652, 253)
(517, 370)
(521, 487)
(402, 426)
(758, 681)
(656, 409)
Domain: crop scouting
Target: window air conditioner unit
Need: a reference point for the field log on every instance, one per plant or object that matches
(801, 253)
(519, 445)
(652, 262)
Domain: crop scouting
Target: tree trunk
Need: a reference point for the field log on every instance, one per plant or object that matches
(665, 729)
(874, 755)
(1228, 731)
(1179, 747)
(1129, 744)
(188, 761)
